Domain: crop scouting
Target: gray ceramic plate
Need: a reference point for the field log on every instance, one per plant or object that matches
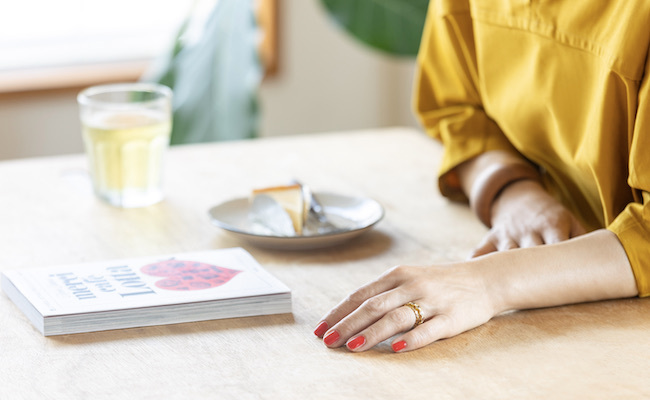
(353, 216)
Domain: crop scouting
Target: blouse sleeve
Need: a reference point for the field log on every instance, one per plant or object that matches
(632, 226)
(447, 98)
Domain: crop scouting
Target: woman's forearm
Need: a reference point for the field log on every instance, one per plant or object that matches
(587, 268)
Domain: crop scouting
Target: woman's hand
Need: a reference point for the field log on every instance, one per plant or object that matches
(525, 215)
(452, 300)
(505, 192)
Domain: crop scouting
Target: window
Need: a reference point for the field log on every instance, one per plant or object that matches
(41, 38)
(48, 44)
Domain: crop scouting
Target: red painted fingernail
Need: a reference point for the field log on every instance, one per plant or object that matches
(397, 346)
(331, 338)
(356, 342)
(321, 329)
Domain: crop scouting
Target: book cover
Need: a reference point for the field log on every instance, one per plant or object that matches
(156, 290)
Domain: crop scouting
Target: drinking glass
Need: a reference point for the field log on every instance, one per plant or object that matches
(126, 129)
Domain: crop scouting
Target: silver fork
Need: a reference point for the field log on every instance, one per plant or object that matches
(316, 215)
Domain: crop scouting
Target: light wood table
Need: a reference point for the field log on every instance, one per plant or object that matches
(49, 216)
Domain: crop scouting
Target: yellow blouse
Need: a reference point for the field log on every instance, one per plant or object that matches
(564, 83)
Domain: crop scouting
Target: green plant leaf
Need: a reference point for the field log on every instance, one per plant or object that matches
(392, 26)
(215, 73)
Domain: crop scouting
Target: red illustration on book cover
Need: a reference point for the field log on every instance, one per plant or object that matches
(188, 275)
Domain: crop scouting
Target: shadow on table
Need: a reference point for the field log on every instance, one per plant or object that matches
(371, 244)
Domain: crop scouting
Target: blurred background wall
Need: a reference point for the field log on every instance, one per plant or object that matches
(325, 82)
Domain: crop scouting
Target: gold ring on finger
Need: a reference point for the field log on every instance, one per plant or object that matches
(417, 311)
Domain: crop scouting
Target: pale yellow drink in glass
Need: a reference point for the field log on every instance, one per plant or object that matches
(126, 130)
(125, 154)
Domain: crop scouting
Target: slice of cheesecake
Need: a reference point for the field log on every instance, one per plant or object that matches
(292, 200)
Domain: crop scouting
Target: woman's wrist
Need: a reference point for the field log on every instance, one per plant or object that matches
(492, 181)
(483, 177)
(527, 190)
(488, 270)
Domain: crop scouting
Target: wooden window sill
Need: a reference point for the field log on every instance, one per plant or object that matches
(70, 77)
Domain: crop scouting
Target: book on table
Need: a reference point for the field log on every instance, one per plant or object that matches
(158, 290)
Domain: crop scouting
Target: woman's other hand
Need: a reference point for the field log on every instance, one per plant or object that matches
(525, 215)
